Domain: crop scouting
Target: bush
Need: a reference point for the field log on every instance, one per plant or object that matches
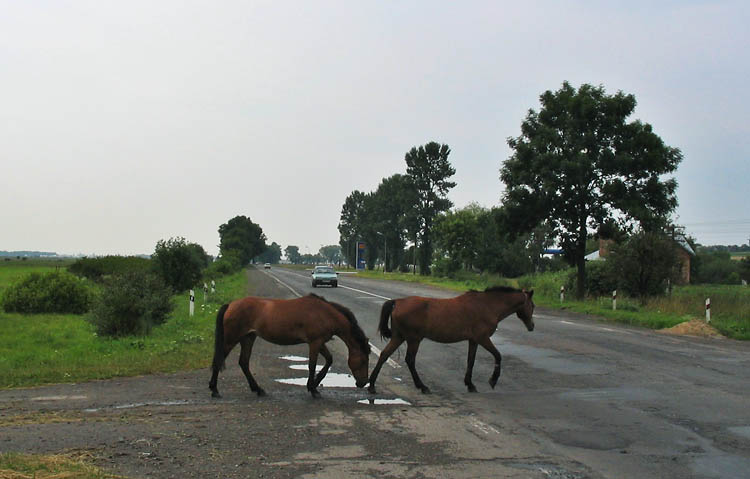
(228, 263)
(179, 263)
(600, 280)
(715, 268)
(95, 268)
(56, 292)
(131, 303)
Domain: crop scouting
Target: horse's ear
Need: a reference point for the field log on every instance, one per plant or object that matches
(530, 293)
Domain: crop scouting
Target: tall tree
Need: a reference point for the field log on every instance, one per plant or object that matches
(332, 253)
(292, 254)
(272, 254)
(579, 163)
(350, 224)
(428, 169)
(243, 236)
(457, 236)
(358, 223)
(394, 204)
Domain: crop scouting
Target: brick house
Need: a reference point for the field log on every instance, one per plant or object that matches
(684, 254)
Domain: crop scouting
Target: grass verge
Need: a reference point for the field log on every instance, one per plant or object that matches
(53, 348)
(57, 466)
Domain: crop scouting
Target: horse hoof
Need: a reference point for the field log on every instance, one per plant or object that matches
(371, 390)
(425, 390)
(315, 394)
(493, 383)
(260, 393)
(215, 394)
(472, 388)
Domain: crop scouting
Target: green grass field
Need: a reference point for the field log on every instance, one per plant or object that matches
(52, 348)
(13, 270)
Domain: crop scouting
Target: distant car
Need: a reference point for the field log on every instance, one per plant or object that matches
(267, 266)
(324, 275)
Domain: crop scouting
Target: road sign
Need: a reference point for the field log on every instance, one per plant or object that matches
(361, 255)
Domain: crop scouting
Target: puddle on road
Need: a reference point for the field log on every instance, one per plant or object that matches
(57, 398)
(623, 394)
(741, 431)
(550, 360)
(139, 404)
(332, 380)
(304, 367)
(397, 401)
(293, 358)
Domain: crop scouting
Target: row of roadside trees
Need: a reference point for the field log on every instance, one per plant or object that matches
(578, 168)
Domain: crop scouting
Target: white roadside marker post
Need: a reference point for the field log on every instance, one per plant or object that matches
(614, 300)
(213, 286)
(192, 302)
(562, 293)
(205, 292)
(708, 310)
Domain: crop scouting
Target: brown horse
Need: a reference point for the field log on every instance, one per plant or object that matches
(473, 316)
(310, 319)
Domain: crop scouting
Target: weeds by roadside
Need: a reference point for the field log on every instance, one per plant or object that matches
(53, 348)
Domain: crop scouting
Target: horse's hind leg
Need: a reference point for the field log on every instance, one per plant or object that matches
(246, 343)
(389, 348)
(411, 360)
(212, 385)
(329, 360)
(487, 344)
(470, 366)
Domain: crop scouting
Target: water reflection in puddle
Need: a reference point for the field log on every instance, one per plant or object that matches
(332, 380)
(305, 367)
(293, 358)
(140, 404)
(384, 401)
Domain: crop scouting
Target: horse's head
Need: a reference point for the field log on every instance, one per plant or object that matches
(358, 363)
(358, 344)
(526, 311)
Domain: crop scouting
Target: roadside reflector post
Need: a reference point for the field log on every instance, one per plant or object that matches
(213, 286)
(562, 293)
(708, 310)
(614, 300)
(192, 302)
(205, 291)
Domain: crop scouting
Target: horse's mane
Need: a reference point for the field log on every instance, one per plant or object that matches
(497, 289)
(357, 333)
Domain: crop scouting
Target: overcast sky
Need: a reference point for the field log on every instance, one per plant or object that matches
(122, 123)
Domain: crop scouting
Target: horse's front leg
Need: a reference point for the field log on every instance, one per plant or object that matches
(487, 344)
(329, 360)
(470, 366)
(389, 348)
(312, 386)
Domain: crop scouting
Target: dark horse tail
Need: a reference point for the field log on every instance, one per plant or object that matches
(385, 314)
(219, 357)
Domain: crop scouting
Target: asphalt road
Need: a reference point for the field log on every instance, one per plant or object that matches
(586, 398)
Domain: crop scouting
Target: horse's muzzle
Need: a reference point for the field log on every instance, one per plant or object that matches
(530, 327)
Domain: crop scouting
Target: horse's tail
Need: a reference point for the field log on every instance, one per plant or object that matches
(385, 314)
(218, 363)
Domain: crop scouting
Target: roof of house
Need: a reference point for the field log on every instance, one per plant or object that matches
(682, 241)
